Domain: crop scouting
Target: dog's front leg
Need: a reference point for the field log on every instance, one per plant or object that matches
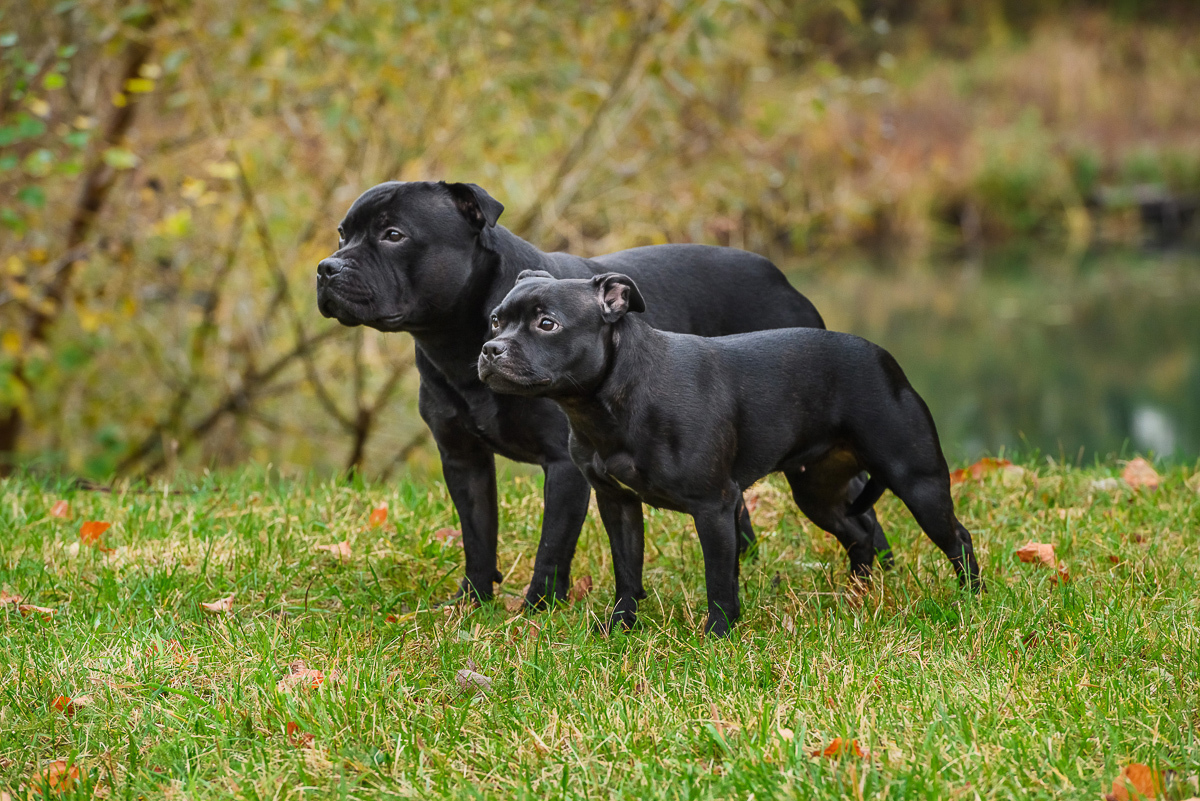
(470, 472)
(716, 525)
(565, 506)
(622, 516)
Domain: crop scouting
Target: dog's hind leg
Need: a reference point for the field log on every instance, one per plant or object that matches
(868, 521)
(746, 536)
(815, 496)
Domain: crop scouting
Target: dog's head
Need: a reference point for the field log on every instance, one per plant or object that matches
(551, 337)
(404, 254)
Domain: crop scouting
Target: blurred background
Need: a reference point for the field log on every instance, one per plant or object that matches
(1001, 192)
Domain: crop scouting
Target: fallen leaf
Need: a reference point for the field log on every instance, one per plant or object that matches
(391, 619)
(788, 624)
(1043, 553)
(983, 467)
(91, 531)
(60, 509)
(302, 679)
(750, 498)
(514, 603)
(580, 590)
(786, 734)
(839, 747)
(378, 515)
(448, 535)
(338, 549)
(470, 680)
(5, 598)
(1140, 473)
(1136, 781)
(69, 706)
(57, 777)
(220, 605)
(1038, 552)
(1109, 484)
(30, 609)
(297, 738)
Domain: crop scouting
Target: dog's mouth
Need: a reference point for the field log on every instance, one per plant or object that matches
(345, 309)
(503, 378)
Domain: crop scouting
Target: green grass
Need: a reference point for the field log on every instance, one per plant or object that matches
(1032, 691)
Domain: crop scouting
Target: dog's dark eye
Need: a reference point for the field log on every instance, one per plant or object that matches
(392, 235)
(495, 322)
(546, 324)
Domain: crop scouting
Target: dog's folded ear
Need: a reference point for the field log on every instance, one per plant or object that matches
(617, 295)
(521, 276)
(476, 204)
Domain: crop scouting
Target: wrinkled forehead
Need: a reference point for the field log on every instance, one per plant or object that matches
(568, 297)
(387, 202)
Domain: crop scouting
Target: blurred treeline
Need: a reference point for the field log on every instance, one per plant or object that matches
(171, 172)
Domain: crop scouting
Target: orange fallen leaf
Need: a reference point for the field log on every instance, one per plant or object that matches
(338, 549)
(300, 676)
(1140, 473)
(91, 531)
(839, 747)
(1043, 553)
(57, 777)
(977, 471)
(378, 515)
(220, 605)
(448, 535)
(30, 609)
(297, 738)
(750, 498)
(69, 706)
(1136, 781)
(580, 589)
(60, 509)
(391, 619)
(1038, 552)
(5, 598)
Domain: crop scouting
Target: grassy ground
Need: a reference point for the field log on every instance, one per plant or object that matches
(1033, 691)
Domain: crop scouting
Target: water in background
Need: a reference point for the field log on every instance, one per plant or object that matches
(1077, 359)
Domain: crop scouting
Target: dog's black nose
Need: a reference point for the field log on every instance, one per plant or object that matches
(328, 268)
(494, 348)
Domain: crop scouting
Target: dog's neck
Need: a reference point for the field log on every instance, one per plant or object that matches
(600, 414)
(454, 344)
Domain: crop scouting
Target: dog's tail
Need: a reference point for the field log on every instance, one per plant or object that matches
(866, 499)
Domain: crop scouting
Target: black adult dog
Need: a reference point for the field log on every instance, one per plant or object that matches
(428, 258)
(688, 423)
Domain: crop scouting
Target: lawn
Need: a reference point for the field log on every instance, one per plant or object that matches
(1036, 690)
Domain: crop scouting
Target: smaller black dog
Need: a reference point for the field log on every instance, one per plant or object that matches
(687, 423)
